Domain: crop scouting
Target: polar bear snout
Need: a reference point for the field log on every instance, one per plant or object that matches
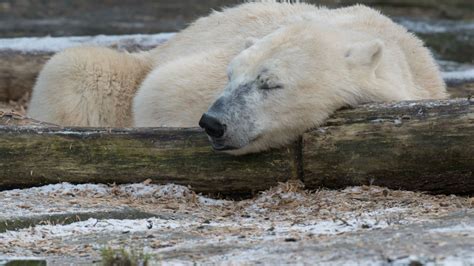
(215, 130)
(220, 138)
(213, 127)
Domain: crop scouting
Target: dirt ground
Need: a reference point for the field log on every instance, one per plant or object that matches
(19, 106)
(73, 224)
(67, 223)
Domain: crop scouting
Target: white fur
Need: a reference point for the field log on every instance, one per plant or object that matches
(88, 86)
(326, 59)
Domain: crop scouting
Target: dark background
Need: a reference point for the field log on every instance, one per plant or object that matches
(91, 17)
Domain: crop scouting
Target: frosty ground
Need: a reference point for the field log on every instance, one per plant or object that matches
(66, 223)
(287, 224)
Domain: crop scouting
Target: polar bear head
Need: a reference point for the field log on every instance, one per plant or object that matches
(288, 82)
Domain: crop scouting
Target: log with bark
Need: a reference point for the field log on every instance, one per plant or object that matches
(65, 17)
(426, 145)
(42, 154)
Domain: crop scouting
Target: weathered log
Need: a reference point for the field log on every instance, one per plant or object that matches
(37, 155)
(426, 145)
(18, 73)
(87, 17)
(449, 40)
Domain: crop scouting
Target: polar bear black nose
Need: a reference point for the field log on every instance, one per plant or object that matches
(213, 127)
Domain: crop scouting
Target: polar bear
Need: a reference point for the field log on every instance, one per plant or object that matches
(254, 76)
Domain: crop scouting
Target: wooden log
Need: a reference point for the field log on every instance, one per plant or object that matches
(38, 155)
(18, 73)
(87, 17)
(90, 17)
(427, 146)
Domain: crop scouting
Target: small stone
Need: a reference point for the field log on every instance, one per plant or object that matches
(149, 225)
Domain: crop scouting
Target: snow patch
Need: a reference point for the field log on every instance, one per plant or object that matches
(461, 75)
(56, 44)
(438, 26)
(158, 191)
(459, 228)
(65, 198)
(61, 188)
(465, 259)
(91, 226)
(139, 190)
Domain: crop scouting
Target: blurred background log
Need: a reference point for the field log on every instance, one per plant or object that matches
(91, 17)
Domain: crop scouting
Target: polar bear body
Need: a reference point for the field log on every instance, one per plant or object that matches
(173, 84)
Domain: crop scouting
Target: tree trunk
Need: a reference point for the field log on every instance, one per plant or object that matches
(426, 145)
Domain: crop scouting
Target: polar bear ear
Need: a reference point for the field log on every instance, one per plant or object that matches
(365, 53)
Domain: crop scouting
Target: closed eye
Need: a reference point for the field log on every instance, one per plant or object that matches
(265, 83)
(266, 86)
